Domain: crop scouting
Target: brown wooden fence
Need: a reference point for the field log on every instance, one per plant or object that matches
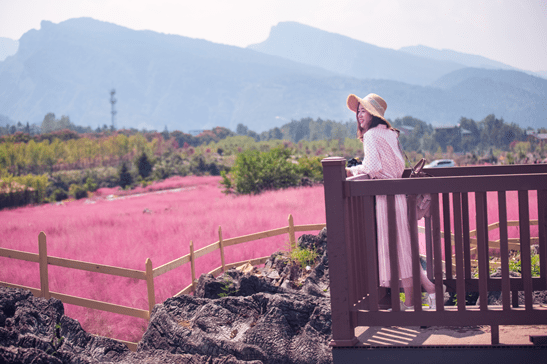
(357, 299)
(147, 275)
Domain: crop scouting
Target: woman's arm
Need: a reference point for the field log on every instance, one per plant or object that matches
(372, 162)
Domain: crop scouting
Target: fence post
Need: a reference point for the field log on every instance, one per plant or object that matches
(42, 257)
(193, 266)
(334, 175)
(150, 287)
(221, 243)
(291, 233)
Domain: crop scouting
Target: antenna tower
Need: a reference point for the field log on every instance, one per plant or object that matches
(113, 102)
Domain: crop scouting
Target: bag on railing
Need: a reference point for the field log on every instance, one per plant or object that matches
(423, 200)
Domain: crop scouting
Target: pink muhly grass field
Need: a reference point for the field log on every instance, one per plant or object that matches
(156, 224)
(492, 215)
(119, 233)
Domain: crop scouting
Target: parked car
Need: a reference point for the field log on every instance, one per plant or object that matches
(439, 163)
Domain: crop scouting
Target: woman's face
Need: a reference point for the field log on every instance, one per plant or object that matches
(364, 117)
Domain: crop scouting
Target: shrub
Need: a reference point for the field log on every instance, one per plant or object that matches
(77, 191)
(90, 184)
(199, 166)
(255, 171)
(59, 195)
(310, 167)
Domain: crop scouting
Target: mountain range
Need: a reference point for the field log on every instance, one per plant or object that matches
(186, 84)
(8, 47)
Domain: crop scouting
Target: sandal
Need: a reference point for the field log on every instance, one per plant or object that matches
(431, 301)
(403, 307)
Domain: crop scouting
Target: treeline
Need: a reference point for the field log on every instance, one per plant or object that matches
(416, 135)
(66, 163)
(304, 129)
(467, 136)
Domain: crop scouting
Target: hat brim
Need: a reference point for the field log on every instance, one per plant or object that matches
(353, 102)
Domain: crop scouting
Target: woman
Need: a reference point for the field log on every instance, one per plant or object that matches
(383, 159)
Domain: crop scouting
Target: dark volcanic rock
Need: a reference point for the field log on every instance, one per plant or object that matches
(34, 330)
(260, 315)
(269, 328)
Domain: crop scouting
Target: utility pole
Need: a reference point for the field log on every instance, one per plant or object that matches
(114, 112)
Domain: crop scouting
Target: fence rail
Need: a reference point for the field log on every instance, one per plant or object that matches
(147, 275)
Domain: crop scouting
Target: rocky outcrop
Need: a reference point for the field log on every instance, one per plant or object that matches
(277, 314)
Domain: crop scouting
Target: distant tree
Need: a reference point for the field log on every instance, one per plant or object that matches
(125, 177)
(254, 135)
(48, 124)
(276, 133)
(144, 166)
(64, 123)
(165, 133)
(241, 129)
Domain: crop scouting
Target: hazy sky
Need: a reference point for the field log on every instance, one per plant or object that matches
(510, 31)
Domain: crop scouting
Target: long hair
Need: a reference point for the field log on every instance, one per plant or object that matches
(374, 123)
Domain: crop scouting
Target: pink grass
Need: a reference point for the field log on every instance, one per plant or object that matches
(492, 215)
(118, 233)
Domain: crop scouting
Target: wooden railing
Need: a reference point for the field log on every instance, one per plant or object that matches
(147, 275)
(514, 243)
(356, 297)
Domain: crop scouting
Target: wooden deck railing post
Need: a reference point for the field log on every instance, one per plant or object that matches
(150, 287)
(221, 244)
(334, 175)
(44, 275)
(193, 266)
(292, 239)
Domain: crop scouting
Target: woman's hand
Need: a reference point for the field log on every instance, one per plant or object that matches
(348, 172)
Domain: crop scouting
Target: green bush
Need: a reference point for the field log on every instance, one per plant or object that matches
(310, 167)
(77, 191)
(199, 166)
(255, 171)
(59, 195)
(90, 184)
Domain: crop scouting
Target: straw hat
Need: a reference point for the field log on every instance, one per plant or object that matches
(373, 103)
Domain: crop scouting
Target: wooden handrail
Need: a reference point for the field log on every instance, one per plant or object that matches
(171, 265)
(19, 255)
(103, 306)
(255, 236)
(98, 268)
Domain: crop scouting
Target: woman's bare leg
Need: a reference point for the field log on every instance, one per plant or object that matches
(428, 285)
(408, 296)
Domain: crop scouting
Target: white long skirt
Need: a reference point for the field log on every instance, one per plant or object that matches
(403, 241)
